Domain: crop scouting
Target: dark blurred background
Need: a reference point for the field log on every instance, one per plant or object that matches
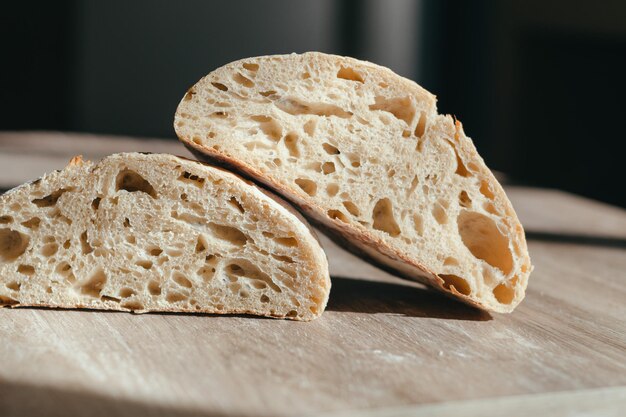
(539, 85)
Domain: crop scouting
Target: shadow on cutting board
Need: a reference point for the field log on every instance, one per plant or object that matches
(364, 296)
(20, 399)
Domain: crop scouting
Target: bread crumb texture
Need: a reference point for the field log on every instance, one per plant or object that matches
(140, 233)
(364, 151)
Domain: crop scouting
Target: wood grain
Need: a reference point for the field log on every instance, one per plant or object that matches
(384, 345)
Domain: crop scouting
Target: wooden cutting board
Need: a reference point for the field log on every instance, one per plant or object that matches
(384, 347)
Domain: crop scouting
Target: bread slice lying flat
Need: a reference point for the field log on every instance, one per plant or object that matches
(141, 232)
(364, 153)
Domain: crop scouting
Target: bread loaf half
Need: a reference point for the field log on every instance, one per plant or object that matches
(141, 232)
(364, 153)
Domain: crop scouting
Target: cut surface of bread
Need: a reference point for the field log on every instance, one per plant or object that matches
(364, 153)
(143, 232)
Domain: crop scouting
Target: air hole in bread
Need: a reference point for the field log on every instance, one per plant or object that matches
(332, 189)
(460, 166)
(206, 273)
(352, 208)
(420, 128)
(12, 244)
(505, 293)
(251, 66)
(49, 249)
(305, 75)
(267, 93)
(439, 213)
(330, 149)
(297, 107)
(7, 301)
(211, 259)
(132, 305)
(350, 74)
(175, 297)
(109, 298)
(95, 203)
(220, 86)
(265, 299)
(155, 251)
(355, 161)
(93, 286)
(236, 204)
(383, 218)
(131, 239)
(401, 108)
(32, 223)
(309, 127)
(270, 127)
(144, 263)
(189, 178)
(84, 244)
(6, 219)
(289, 270)
(56, 214)
(243, 80)
(291, 143)
(154, 287)
(289, 242)
(126, 292)
(131, 181)
(490, 208)
(244, 269)
(51, 199)
(277, 162)
(486, 190)
(13, 285)
(337, 215)
(418, 224)
(481, 236)
(328, 168)
(26, 269)
(450, 261)
(456, 282)
(255, 144)
(219, 115)
(173, 252)
(308, 186)
(64, 268)
(283, 258)
(464, 199)
(182, 280)
(229, 234)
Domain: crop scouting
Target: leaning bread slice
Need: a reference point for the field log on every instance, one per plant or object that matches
(144, 232)
(364, 153)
